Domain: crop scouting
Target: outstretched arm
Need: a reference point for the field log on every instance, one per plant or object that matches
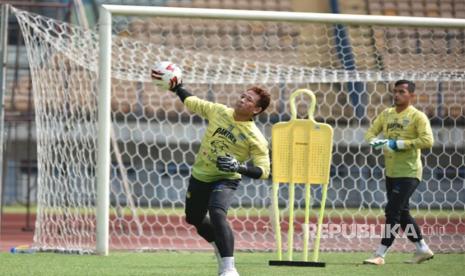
(203, 108)
(181, 91)
(200, 107)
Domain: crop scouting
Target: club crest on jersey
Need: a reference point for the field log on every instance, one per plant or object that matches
(225, 133)
(405, 121)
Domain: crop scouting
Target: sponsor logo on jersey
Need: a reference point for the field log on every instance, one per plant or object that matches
(225, 133)
(394, 125)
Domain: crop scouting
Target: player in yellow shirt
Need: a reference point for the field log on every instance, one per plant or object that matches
(406, 131)
(230, 139)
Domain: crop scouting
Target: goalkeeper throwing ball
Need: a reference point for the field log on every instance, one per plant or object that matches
(230, 139)
(406, 131)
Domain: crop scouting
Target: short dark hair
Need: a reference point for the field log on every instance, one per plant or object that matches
(265, 97)
(411, 85)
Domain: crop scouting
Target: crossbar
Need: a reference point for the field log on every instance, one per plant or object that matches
(329, 18)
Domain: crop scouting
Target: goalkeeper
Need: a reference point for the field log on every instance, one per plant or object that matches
(406, 131)
(230, 139)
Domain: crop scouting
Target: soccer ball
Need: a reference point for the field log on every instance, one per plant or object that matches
(166, 74)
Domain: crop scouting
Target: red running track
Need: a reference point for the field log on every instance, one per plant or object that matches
(453, 240)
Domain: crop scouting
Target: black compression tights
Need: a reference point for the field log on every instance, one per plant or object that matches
(216, 228)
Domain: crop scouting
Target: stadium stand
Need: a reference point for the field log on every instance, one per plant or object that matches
(250, 39)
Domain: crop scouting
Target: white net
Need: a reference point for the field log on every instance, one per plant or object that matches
(154, 139)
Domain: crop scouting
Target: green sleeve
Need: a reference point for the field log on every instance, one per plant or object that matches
(261, 158)
(203, 108)
(375, 128)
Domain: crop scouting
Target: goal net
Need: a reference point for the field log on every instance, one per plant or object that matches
(154, 139)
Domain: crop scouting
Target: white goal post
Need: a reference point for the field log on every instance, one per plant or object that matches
(99, 116)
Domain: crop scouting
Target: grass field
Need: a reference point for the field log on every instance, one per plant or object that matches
(194, 263)
(201, 263)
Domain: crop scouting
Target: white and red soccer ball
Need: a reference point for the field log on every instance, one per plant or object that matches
(166, 74)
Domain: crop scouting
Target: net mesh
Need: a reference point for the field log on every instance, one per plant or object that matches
(154, 139)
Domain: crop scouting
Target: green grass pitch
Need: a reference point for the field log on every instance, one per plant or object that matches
(202, 264)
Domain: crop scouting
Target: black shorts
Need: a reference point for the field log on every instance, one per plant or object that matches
(200, 196)
(399, 190)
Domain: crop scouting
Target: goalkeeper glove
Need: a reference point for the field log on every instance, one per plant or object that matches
(378, 143)
(391, 145)
(174, 86)
(229, 164)
(395, 145)
(387, 144)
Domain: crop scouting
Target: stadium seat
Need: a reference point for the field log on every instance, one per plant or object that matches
(285, 5)
(353, 7)
(199, 4)
(374, 8)
(18, 98)
(228, 4)
(389, 9)
(214, 4)
(256, 5)
(271, 6)
(432, 9)
(242, 4)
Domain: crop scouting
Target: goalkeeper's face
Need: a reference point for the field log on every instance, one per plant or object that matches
(247, 104)
(402, 97)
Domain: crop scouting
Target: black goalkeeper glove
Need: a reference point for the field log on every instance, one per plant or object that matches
(175, 86)
(229, 164)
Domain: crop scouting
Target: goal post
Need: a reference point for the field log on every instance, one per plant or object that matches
(99, 80)
(104, 131)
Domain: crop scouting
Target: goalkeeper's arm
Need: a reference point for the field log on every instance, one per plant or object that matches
(230, 164)
(181, 92)
(250, 171)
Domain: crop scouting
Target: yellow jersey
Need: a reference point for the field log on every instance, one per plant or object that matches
(225, 136)
(413, 127)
